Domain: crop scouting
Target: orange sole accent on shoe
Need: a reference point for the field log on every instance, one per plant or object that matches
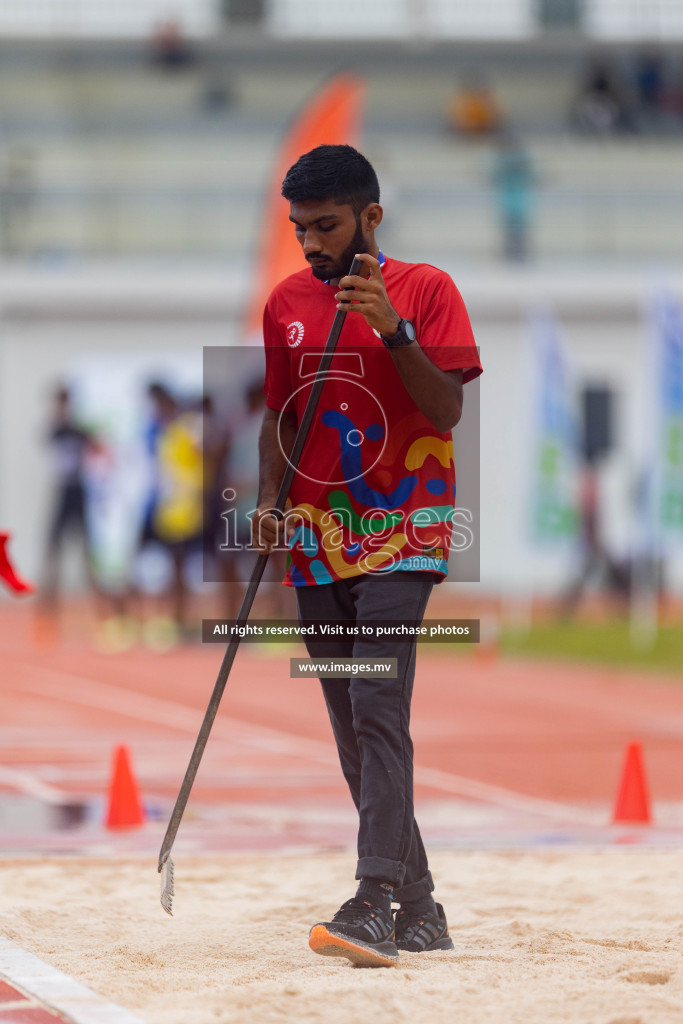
(323, 942)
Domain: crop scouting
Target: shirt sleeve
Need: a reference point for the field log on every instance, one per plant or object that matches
(444, 330)
(277, 381)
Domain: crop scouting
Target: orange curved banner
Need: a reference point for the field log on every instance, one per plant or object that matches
(333, 117)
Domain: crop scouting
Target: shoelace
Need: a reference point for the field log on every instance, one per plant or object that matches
(354, 911)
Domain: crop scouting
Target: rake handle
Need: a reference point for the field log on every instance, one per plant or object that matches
(256, 575)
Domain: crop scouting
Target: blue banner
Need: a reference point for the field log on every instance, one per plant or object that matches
(669, 452)
(555, 437)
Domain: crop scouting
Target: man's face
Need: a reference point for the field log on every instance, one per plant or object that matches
(330, 236)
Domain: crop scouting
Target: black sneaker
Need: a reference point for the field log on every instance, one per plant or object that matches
(422, 933)
(361, 932)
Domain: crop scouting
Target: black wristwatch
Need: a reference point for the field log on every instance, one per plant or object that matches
(405, 335)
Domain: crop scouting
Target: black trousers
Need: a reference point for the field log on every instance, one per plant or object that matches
(371, 721)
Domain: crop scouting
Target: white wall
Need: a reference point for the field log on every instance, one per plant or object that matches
(392, 19)
(463, 19)
(83, 19)
(635, 19)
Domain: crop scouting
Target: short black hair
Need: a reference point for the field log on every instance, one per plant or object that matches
(340, 173)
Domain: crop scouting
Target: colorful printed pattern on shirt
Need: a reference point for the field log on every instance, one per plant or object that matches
(374, 498)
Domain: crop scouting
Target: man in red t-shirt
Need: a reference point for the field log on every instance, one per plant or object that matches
(372, 504)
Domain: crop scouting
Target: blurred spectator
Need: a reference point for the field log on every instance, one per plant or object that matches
(216, 448)
(69, 445)
(513, 179)
(472, 110)
(174, 512)
(170, 49)
(652, 91)
(242, 469)
(596, 561)
(242, 478)
(602, 106)
(218, 95)
(163, 409)
(649, 79)
(219, 561)
(178, 511)
(674, 93)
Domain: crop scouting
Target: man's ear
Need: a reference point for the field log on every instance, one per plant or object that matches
(371, 217)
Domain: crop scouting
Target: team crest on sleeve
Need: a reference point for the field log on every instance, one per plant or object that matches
(295, 333)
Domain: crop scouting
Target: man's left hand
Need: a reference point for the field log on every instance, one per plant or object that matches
(368, 296)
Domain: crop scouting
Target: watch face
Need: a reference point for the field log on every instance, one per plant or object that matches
(409, 330)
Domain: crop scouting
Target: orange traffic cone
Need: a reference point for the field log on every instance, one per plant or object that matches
(125, 807)
(633, 798)
(7, 571)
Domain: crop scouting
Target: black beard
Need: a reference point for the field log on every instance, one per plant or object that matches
(340, 269)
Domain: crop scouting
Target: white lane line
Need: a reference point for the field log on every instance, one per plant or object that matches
(26, 782)
(488, 793)
(57, 990)
(105, 697)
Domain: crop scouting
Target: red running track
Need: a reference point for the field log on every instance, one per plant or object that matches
(17, 1008)
(497, 744)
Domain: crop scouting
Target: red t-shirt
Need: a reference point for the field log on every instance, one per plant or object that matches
(375, 484)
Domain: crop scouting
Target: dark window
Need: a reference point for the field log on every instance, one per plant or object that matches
(597, 421)
(243, 12)
(560, 14)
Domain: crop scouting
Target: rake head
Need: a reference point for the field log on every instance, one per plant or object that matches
(167, 890)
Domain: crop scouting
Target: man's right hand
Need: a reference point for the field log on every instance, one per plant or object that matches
(268, 531)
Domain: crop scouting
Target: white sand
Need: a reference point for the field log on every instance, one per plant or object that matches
(581, 937)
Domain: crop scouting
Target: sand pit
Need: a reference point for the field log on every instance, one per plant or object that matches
(583, 937)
